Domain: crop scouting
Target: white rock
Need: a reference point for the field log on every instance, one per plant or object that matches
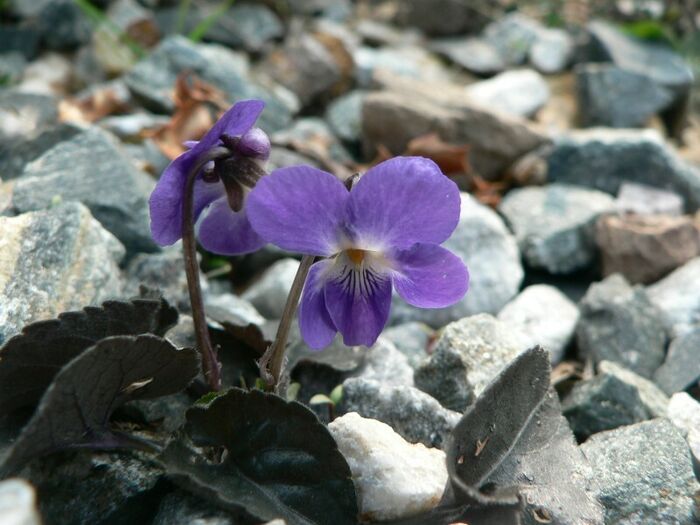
(552, 50)
(545, 316)
(393, 478)
(18, 503)
(678, 297)
(684, 412)
(520, 92)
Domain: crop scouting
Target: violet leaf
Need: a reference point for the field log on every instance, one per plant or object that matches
(30, 360)
(280, 461)
(75, 410)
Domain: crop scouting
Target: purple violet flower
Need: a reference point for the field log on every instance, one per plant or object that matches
(220, 190)
(386, 230)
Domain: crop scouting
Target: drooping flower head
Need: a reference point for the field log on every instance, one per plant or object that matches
(386, 231)
(220, 188)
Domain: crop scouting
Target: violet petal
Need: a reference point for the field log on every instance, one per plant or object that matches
(315, 322)
(226, 232)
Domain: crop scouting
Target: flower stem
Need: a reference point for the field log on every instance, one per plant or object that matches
(210, 363)
(276, 352)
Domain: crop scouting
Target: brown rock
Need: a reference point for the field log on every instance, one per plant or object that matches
(646, 248)
(409, 109)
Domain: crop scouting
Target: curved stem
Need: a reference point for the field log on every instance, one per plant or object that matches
(210, 363)
(276, 352)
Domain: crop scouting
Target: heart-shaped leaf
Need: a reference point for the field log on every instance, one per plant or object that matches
(30, 360)
(515, 436)
(75, 410)
(280, 461)
(492, 514)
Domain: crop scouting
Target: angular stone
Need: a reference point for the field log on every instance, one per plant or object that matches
(393, 478)
(92, 169)
(684, 412)
(64, 25)
(98, 487)
(614, 97)
(554, 224)
(654, 400)
(314, 134)
(644, 474)
(415, 415)
(23, 116)
(54, 261)
(619, 323)
(545, 317)
(411, 339)
(408, 61)
(18, 503)
(411, 109)
(644, 248)
(551, 51)
(344, 115)
(520, 92)
(647, 200)
(442, 17)
(19, 38)
(681, 368)
(470, 353)
(602, 403)
(250, 26)
(269, 293)
(385, 364)
(493, 259)
(512, 35)
(604, 159)
(235, 308)
(153, 79)
(678, 297)
(472, 53)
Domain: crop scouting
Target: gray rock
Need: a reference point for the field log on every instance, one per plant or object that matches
(11, 68)
(602, 403)
(64, 25)
(409, 109)
(132, 126)
(472, 53)
(660, 63)
(678, 297)
(54, 261)
(16, 153)
(376, 33)
(684, 412)
(411, 339)
(681, 368)
(545, 317)
(164, 271)
(407, 61)
(443, 17)
(470, 353)
(25, 115)
(182, 508)
(92, 169)
(520, 92)
(606, 158)
(644, 474)
(647, 200)
(344, 115)
(652, 397)
(18, 503)
(551, 51)
(235, 308)
(614, 97)
(492, 257)
(182, 334)
(315, 134)
(554, 224)
(250, 26)
(512, 35)
(619, 323)
(97, 487)
(385, 364)
(413, 414)
(269, 293)
(153, 78)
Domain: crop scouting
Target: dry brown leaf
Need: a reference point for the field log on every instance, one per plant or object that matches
(451, 158)
(95, 105)
(193, 115)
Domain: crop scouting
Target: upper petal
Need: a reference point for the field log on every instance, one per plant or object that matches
(429, 276)
(226, 232)
(358, 305)
(315, 322)
(300, 209)
(403, 201)
(236, 121)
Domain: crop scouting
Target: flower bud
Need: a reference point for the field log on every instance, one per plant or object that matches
(255, 143)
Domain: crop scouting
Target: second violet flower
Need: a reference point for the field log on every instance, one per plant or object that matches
(385, 232)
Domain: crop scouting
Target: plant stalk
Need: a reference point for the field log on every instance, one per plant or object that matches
(274, 356)
(210, 363)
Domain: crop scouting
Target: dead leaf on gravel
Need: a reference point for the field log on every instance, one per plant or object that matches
(451, 158)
